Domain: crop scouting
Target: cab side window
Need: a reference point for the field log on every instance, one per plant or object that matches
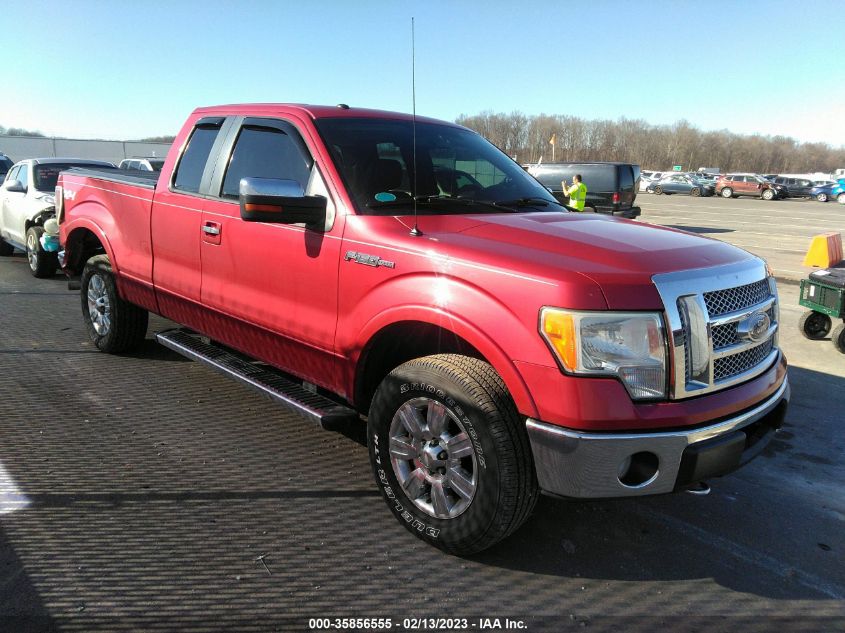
(263, 152)
(191, 165)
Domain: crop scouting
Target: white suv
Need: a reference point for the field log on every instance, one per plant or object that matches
(27, 201)
(144, 164)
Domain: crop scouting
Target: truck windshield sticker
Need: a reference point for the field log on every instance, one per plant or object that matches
(385, 196)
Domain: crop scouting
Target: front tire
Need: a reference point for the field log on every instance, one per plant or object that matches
(695, 192)
(450, 453)
(768, 194)
(41, 263)
(658, 190)
(814, 325)
(821, 197)
(727, 192)
(113, 324)
(841, 198)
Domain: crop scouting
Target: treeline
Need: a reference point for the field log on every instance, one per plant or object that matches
(527, 138)
(19, 131)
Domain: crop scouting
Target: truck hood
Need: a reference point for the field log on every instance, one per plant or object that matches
(621, 256)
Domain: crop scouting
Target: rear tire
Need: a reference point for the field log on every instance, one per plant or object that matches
(450, 453)
(814, 325)
(727, 192)
(41, 263)
(838, 337)
(113, 324)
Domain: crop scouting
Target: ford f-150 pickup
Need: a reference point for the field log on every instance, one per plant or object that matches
(359, 265)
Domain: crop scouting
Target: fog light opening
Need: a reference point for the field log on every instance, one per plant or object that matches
(638, 470)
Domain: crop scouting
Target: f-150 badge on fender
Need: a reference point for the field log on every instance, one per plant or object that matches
(368, 260)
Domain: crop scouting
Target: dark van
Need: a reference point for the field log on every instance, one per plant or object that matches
(611, 187)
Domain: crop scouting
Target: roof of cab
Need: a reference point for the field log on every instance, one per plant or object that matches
(314, 111)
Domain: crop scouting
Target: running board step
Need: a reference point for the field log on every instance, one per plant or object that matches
(272, 384)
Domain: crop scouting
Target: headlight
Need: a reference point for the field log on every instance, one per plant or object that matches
(627, 345)
(46, 197)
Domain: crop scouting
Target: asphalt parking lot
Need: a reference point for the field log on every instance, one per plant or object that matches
(139, 492)
(780, 231)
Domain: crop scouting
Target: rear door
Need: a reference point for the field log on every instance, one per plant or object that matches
(176, 220)
(271, 287)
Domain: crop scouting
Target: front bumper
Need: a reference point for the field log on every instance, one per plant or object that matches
(591, 465)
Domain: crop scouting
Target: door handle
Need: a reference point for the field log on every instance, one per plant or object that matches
(210, 229)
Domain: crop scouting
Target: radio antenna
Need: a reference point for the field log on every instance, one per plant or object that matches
(416, 230)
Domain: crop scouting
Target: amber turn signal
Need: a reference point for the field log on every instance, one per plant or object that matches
(559, 330)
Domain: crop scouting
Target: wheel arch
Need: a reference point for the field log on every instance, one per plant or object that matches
(400, 341)
(84, 240)
(38, 219)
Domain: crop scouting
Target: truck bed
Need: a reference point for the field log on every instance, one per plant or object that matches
(134, 177)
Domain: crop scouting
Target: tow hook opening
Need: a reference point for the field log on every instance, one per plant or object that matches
(639, 469)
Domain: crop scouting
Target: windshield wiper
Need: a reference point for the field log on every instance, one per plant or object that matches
(525, 202)
(436, 200)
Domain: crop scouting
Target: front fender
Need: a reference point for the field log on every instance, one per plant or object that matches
(499, 332)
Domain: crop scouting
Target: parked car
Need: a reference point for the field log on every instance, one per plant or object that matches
(649, 177)
(735, 185)
(5, 165)
(682, 183)
(142, 164)
(497, 344)
(611, 187)
(832, 191)
(797, 187)
(27, 201)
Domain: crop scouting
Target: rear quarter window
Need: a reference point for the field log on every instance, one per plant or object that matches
(600, 178)
(192, 163)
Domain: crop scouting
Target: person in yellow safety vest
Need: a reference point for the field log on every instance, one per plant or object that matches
(577, 193)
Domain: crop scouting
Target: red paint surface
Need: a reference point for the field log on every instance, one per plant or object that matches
(288, 296)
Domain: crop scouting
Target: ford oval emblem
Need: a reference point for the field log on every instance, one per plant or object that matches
(754, 327)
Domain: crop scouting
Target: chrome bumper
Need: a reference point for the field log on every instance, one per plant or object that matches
(587, 465)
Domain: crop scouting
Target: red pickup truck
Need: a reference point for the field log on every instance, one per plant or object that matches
(365, 265)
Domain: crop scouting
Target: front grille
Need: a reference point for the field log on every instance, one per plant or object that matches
(721, 302)
(708, 356)
(743, 361)
(725, 335)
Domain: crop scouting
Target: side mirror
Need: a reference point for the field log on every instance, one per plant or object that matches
(16, 186)
(280, 201)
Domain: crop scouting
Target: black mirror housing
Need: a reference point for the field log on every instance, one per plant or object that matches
(280, 201)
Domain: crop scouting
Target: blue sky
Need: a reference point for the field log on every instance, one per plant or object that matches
(119, 69)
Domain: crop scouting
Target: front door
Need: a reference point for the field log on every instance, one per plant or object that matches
(270, 289)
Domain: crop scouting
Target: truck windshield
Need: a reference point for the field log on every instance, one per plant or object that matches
(457, 171)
